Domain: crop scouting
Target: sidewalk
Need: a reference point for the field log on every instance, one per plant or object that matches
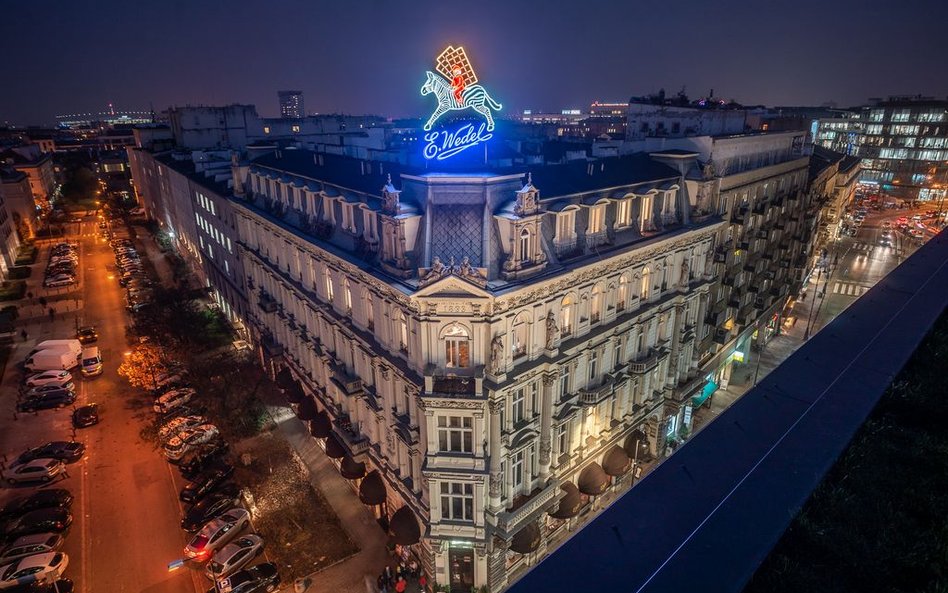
(354, 574)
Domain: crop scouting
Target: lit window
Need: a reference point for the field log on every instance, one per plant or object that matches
(623, 294)
(525, 251)
(596, 219)
(521, 337)
(645, 289)
(566, 226)
(595, 305)
(327, 276)
(347, 295)
(566, 316)
(624, 213)
(457, 344)
(266, 129)
(295, 129)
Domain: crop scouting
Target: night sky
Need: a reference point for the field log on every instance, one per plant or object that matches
(369, 56)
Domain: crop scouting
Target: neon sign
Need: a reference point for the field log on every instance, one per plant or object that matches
(455, 87)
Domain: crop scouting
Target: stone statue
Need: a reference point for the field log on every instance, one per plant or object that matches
(466, 269)
(685, 274)
(552, 332)
(496, 355)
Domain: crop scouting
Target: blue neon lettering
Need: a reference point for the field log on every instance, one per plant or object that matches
(443, 144)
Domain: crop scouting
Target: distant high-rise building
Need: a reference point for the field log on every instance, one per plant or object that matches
(291, 104)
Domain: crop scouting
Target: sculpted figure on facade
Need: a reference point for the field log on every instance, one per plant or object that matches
(497, 355)
(685, 274)
(437, 271)
(552, 331)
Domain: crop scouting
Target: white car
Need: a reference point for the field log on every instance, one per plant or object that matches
(171, 428)
(49, 378)
(216, 533)
(234, 556)
(61, 280)
(173, 399)
(167, 379)
(41, 470)
(188, 438)
(28, 545)
(41, 567)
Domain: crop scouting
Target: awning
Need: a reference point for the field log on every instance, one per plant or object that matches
(321, 426)
(335, 449)
(527, 539)
(307, 410)
(351, 469)
(637, 441)
(616, 462)
(284, 378)
(404, 527)
(709, 388)
(294, 393)
(593, 480)
(372, 489)
(569, 504)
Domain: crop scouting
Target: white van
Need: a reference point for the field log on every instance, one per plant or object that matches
(91, 361)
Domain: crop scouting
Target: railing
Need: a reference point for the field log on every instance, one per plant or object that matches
(645, 363)
(563, 246)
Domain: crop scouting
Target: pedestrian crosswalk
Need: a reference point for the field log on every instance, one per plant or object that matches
(863, 246)
(849, 289)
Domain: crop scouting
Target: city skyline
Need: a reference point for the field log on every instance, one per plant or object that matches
(372, 60)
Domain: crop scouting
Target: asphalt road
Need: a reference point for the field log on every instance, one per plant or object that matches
(862, 262)
(126, 512)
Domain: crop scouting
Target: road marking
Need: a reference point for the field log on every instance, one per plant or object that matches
(849, 289)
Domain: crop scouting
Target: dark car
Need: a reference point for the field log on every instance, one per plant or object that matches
(261, 578)
(87, 335)
(210, 507)
(60, 586)
(40, 521)
(68, 451)
(59, 398)
(85, 416)
(200, 457)
(52, 498)
(206, 482)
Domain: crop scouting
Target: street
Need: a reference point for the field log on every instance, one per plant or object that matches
(862, 262)
(126, 510)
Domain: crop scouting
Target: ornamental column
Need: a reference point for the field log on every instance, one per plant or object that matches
(493, 446)
(546, 426)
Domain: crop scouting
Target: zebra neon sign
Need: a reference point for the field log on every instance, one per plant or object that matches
(455, 86)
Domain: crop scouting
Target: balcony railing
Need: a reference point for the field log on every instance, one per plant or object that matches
(644, 363)
(267, 303)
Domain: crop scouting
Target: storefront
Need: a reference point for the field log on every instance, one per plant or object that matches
(461, 565)
(704, 397)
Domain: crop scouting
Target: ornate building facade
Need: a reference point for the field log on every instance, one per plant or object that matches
(487, 355)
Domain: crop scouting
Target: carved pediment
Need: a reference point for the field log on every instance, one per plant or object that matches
(453, 287)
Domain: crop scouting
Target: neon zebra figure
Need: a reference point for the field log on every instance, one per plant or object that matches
(473, 96)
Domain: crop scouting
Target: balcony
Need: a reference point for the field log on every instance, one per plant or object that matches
(565, 247)
(453, 385)
(267, 303)
(645, 363)
(528, 507)
(592, 396)
(349, 384)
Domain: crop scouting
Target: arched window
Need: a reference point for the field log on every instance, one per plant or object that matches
(327, 276)
(623, 293)
(526, 254)
(400, 330)
(646, 288)
(595, 305)
(521, 336)
(347, 295)
(368, 308)
(457, 346)
(566, 316)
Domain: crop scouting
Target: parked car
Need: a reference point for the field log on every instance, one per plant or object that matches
(85, 416)
(171, 428)
(49, 378)
(168, 380)
(234, 556)
(61, 280)
(39, 521)
(27, 545)
(200, 458)
(205, 483)
(41, 389)
(48, 498)
(173, 399)
(41, 567)
(262, 578)
(37, 470)
(62, 585)
(178, 445)
(87, 334)
(68, 451)
(211, 506)
(51, 399)
(216, 533)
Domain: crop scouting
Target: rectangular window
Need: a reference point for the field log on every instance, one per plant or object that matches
(596, 219)
(348, 221)
(624, 213)
(593, 365)
(457, 352)
(457, 501)
(565, 226)
(517, 406)
(516, 472)
(564, 382)
(562, 439)
(455, 434)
